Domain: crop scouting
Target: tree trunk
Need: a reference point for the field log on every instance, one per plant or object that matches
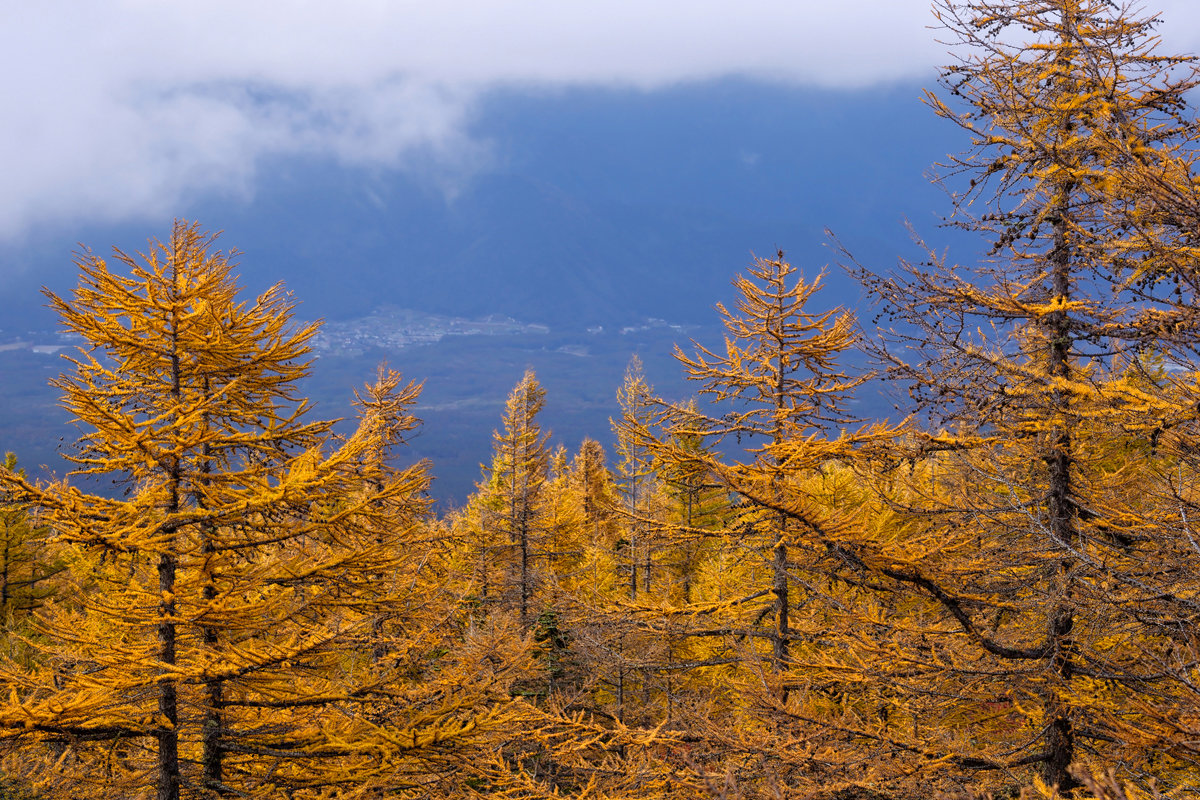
(779, 583)
(779, 589)
(1061, 509)
(168, 733)
(168, 699)
(214, 689)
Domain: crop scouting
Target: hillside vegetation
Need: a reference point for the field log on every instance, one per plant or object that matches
(754, 595)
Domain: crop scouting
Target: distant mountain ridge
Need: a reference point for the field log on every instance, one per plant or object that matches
(601, 206)
(601, 209)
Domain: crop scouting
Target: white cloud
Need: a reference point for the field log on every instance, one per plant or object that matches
(116, 108)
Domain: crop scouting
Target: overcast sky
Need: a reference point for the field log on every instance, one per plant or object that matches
(118, 108)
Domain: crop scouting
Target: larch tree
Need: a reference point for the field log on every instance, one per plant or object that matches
(596, 491)
(567, 522)
(513, 519)
(28, 566)
(1051, 374)
(760, 605)
(635, 475)
(698, 509)
(225, 641)
(776, 387)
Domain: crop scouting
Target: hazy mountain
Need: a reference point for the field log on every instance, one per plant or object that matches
(596, 208)
(597, 205)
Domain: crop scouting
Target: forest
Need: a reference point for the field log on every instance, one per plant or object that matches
(755, 594)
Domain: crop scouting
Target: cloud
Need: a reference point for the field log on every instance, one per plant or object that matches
(120, 108)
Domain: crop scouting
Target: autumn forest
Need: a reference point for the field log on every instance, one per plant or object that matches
(752, 594)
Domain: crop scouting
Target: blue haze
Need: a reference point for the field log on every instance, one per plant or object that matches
(600, 208)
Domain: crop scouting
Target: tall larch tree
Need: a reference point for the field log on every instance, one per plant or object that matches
(776, 387)
(635, 476)
(1050, 374)
(596, 493)
(512, 515)
(760, 606)
(225, 640)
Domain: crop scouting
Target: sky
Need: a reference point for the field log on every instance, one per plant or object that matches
(116, 109)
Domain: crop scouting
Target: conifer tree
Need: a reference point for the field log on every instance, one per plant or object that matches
(636, 400)
(777, 388)
(229, 646)
(594, 486)
(1038, 368)
(737, 646)
(566, 525)
(699, 507)
(514, 523)
(28, 566)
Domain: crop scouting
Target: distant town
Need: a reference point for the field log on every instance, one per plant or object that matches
(392, 328)
(385, 328)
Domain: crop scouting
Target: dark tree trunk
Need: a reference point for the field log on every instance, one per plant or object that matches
(168, 734)
(1061, 508)
(168, 699)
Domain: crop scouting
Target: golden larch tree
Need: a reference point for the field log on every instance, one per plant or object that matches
(1031, 522)
(778, 389)
(222, 647)
(28, 565)
(512, 504)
